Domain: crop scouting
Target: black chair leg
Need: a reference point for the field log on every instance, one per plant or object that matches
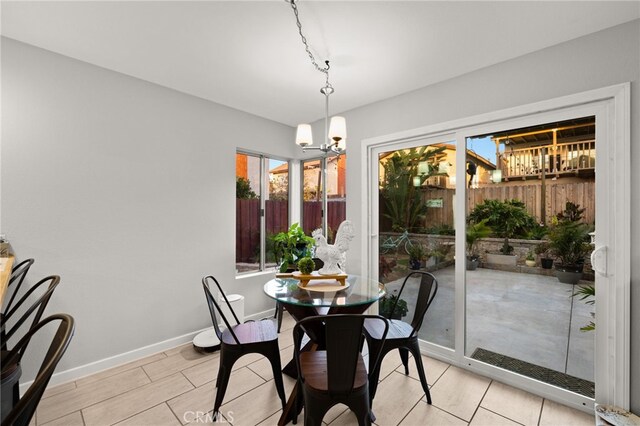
(362, 410)
(415, 351)
(276, 367)
(404, 356)
(374, 370)
(224, 373)
(314, 411)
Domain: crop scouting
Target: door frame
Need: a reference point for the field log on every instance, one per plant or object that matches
(612, 342)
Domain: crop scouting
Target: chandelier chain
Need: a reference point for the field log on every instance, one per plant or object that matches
(324, 69)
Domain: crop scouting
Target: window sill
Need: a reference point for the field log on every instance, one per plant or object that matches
(271, 272)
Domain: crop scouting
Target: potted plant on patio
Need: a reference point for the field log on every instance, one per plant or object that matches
(290, 246)
(530, 260)
(568, 242)
(508, 219)
(542, 250)
(417, 254)
(387, 303)
(474, 233)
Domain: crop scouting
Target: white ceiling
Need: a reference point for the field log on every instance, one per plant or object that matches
(248, 54)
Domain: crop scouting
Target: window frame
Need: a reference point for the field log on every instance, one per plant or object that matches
(264, 175)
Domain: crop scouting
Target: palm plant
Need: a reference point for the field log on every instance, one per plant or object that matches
(476, 231)
(402, 200)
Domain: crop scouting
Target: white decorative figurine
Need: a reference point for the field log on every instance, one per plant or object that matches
(334, 254)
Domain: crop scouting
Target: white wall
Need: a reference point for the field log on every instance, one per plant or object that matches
(127, 191)
(598, 60)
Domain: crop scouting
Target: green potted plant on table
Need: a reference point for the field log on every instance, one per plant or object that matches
(474, 233)
(291, 246)
(387, 304)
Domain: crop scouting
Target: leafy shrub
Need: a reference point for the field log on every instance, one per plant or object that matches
(507, 219)
(243, 189)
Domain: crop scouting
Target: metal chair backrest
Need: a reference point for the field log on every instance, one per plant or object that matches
(426, 293)
(214, 308)
(25, 408)
(18, 274)
(342, 340)
(38, 306)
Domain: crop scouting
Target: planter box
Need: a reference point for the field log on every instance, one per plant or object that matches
(502, 259)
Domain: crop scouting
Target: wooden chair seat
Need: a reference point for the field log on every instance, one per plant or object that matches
(314, 369)
(251, 332)
(397, 329)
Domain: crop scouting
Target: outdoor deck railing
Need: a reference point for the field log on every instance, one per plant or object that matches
(570, 157)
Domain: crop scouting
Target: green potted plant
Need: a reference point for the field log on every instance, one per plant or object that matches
(388, 302)
(509, 219)
(568, 242)
(530, 260)
(417, 254)
(475, 231)
(542, 250)
(291, 246)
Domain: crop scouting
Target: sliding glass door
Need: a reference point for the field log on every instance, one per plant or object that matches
(520, 231)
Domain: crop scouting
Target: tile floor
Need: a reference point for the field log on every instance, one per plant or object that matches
(177, 387)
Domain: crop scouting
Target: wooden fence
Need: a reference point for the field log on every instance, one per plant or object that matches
(248, 225)
(440, 201)
(312, 216)
(277, 220)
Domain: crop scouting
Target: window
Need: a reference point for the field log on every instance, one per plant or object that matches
(262, 209)
(312, 194)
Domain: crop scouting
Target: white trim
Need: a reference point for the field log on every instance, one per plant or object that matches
(613, 331)
(124, 358)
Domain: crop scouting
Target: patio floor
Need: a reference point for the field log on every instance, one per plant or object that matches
(532, 318)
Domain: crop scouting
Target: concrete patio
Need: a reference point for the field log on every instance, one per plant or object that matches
(529, 317)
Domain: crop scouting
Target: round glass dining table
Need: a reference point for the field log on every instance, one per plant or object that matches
(356, 296)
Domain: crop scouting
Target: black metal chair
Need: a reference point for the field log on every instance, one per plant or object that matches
(38, 306)
(403, 336)
(18, 274)
(241, 339)
(22, 412)
(337, 374)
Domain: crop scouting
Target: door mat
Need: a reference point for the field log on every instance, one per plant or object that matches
(561, 380)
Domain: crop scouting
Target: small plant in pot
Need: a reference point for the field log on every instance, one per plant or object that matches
(291, 246)
(568, 242)
(391, 307)
(474, 233)
(417, 253)
(542, 250)
(530, 260)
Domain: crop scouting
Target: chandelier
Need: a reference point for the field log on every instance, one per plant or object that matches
(336, 130)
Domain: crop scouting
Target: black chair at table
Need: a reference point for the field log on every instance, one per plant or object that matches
(337, 374)
(15, 317)
(241, 339)
(23, 410)
(11, 323)
(403, 336)
(18, 274)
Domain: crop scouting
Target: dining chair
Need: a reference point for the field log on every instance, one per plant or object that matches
(23, 409)
(18, 274)
(241, 339)
(403, 336)
(15, 317)
(336, 374)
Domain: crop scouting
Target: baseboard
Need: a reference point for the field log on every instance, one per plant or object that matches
(116, 360)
